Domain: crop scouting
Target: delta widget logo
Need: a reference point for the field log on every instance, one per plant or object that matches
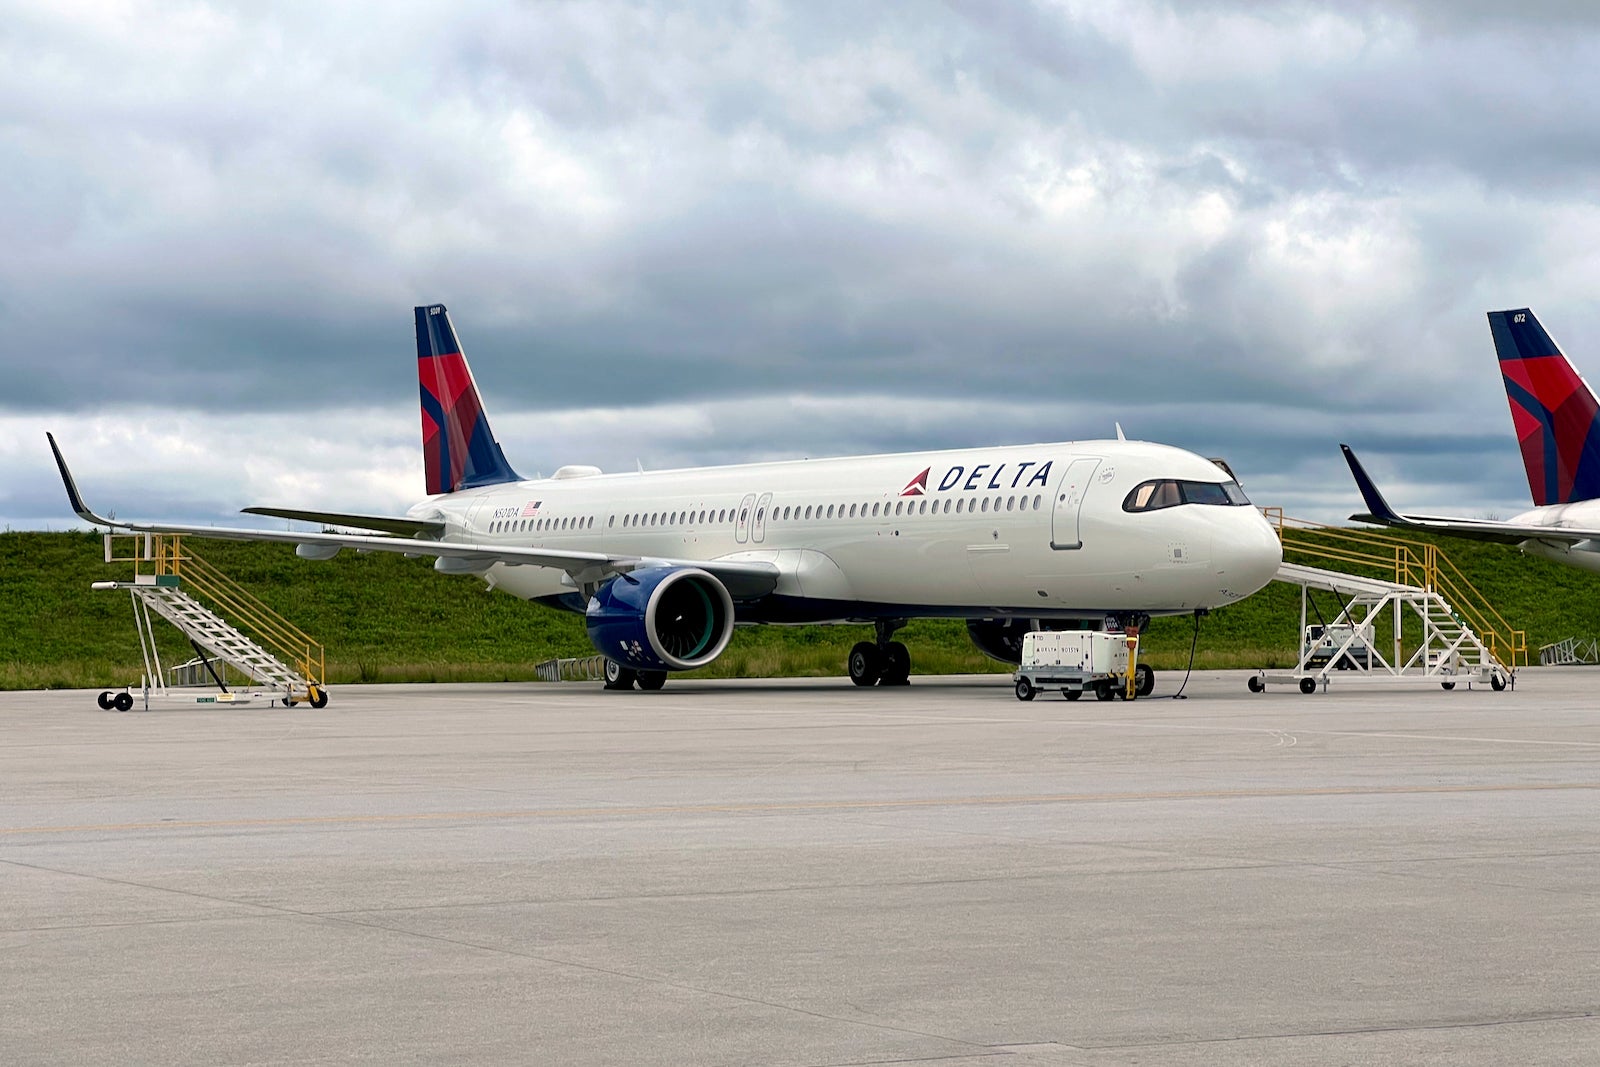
(1024, 475)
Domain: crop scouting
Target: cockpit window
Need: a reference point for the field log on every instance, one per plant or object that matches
(1169, 493)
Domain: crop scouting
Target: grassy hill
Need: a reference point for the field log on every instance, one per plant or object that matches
(386, 618)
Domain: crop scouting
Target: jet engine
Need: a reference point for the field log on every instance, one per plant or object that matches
(1001, 639)
(661, 619)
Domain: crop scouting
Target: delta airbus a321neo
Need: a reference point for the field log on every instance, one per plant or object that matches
(1557, 420)
(664, 564)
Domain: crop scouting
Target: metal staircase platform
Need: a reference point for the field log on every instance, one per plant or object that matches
(1448, 652)
(1338, 581)
(274, 654)
(214, 634)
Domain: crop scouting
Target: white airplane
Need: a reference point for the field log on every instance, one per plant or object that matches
(1557, 420)
(664, 564)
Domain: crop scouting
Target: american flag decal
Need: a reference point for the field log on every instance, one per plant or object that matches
(531, 508)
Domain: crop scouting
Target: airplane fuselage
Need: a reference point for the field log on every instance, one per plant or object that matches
(1579, 515)
(1038, 531)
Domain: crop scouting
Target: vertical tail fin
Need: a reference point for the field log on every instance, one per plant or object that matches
(1555, 413)
(458, 448)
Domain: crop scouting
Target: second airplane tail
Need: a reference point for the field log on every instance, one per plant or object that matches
(1555, 413)
(459, 450)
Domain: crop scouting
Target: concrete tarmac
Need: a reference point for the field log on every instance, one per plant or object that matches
(806, 873)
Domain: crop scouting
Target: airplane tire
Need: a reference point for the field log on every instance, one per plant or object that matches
(1144, 680)
(865, 664)
(319, 697)
(123, 702)
(651, 681)
(1025, 689)
(104, 700)
(617, 676)
(896, 665)
(1308, 686)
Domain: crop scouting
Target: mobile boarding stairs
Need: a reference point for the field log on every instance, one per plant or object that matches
(1412, 616)
(278, 660)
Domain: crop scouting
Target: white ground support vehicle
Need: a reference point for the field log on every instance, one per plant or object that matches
(1338, 645)
(1078, 660)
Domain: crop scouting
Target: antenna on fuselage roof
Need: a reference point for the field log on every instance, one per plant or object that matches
(639, 463)
(1120, 436)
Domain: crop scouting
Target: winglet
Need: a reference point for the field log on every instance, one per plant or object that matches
(73, 496)
(1379, 508)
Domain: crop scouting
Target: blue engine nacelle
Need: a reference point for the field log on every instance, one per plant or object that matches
(661, 619)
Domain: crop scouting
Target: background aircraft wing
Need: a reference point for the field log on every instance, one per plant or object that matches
(1510, 533)
(745, 579)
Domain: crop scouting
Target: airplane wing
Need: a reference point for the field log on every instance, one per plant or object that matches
(1509, 533)
(745, 580)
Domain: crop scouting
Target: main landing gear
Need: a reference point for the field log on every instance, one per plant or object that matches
(883, 662)
(619, 677)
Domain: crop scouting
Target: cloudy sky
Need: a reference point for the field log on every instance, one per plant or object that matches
(708, 232)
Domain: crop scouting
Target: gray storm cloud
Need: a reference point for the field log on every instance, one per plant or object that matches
(1242, 228)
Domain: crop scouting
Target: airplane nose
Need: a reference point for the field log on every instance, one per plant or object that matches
(1247, 555)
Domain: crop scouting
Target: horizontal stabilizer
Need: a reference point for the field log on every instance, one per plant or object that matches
(398, 525)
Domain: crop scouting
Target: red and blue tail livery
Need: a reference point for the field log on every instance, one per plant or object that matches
(1555, 413)
(458, 448)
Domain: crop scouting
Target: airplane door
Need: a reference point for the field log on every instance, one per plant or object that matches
(1069, 502)
(741, 522)
(758, 526)
(472, 529)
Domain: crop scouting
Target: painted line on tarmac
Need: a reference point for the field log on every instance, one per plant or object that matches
(1303, 732)
(783, 807)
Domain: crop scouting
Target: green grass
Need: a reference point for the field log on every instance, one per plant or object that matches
(384, 618)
